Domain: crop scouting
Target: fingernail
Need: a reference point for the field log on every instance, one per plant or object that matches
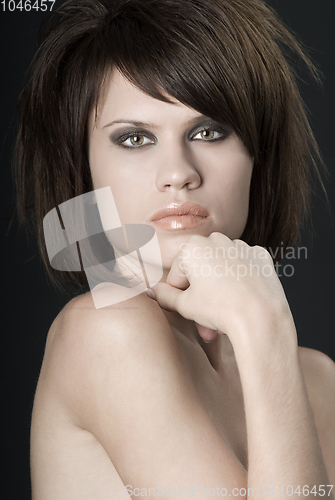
(207, 342)
(150, 293)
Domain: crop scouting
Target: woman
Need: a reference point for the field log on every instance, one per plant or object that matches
(189, 111)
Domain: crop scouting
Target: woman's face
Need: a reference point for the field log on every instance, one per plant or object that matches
(155, 155)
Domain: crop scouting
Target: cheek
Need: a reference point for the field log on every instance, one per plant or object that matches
(233, 191)
(125, 187)
(240, 180)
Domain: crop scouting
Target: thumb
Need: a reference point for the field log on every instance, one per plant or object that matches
(166, 295)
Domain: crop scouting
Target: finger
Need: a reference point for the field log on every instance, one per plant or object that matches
(177, 276)
(167, 296)
(207, 334)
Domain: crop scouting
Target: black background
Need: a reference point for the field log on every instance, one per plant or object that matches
(29, 302)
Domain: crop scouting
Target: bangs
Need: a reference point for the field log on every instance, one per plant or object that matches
(174, 52)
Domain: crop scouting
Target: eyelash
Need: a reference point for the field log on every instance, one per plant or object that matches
(120, 141)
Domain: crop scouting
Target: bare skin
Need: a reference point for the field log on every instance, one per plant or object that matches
(90, 435)
(131, 395)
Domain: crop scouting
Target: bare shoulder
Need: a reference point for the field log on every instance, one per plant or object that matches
(100, 361)
(319, 374)
(80, 327)
(80, 317)
(88, 344)
(119, 373)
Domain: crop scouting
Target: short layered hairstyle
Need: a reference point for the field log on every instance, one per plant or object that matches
(227, 59)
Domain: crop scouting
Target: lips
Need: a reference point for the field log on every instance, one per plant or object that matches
(184, 216)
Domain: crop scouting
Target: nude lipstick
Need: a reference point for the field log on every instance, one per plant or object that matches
(176, 216)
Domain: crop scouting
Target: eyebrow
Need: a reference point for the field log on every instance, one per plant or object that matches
(137, 123)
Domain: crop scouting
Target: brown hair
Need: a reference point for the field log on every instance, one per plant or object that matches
(228, 60)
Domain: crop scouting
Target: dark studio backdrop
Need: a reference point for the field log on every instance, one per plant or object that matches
(30, 303)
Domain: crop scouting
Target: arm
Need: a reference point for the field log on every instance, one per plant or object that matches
(251, 308)
(282, 439)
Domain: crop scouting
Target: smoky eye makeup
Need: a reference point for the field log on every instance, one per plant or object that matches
(210, 131)
(206, 131)
(119, 137)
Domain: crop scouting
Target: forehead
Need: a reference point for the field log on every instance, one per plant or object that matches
(122, 100)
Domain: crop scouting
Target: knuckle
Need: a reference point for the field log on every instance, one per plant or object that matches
(217, 235)
(220, 238)
(262, 252)
(182, 267)
(241, 243)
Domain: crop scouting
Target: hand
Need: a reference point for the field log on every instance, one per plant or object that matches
(221, 284)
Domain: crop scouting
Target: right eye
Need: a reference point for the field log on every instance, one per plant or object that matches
(135, 141)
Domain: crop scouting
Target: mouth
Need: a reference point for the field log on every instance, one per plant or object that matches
(180, 217)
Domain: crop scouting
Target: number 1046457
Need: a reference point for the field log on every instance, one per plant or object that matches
(27, 5)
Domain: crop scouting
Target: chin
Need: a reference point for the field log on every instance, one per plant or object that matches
(170, 247)
(167, 260)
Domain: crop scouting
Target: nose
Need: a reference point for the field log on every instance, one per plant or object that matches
(177, 170)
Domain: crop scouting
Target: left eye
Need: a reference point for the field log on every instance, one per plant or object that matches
(207, 135)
